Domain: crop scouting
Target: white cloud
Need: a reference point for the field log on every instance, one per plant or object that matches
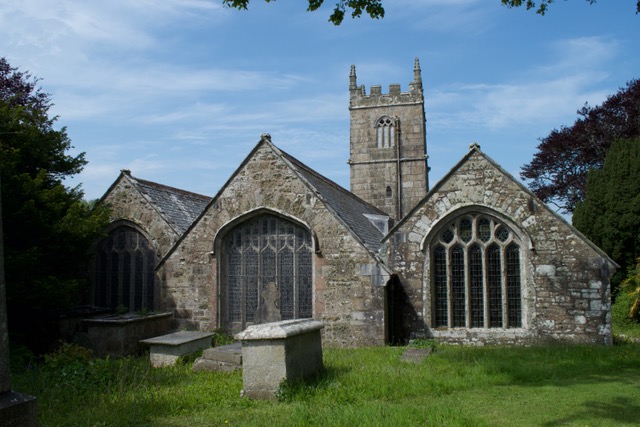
(118, 22)
(548, 93)
(582, 53)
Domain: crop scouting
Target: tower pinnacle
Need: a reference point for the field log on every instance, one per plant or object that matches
(353, 85)
(417, 74)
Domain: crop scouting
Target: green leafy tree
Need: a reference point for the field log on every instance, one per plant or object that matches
(375, 10)
(558, 171)
(610, 214)
(631, 286)
(47, 227)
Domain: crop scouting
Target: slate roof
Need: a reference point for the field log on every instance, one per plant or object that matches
(350, 208)
(179, 207)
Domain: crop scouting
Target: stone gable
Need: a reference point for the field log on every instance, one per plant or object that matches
(343, 269)
(129, 205)
(478, 259)
(565, 277)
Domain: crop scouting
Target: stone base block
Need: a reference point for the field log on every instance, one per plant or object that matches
(226, 358)
(166, 350)
(202, 364)
(18, 410)
(280, 351)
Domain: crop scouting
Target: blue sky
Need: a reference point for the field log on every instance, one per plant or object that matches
(179, 91)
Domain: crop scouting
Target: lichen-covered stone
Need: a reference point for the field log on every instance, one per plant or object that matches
(566, 281)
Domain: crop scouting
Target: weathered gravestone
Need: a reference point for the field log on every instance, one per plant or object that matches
(268, 310)
(280, 351)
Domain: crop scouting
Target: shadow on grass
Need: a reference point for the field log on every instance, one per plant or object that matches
(552, 365)
(616, 410)
(329, 378)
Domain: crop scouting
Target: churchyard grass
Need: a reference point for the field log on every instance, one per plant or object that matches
(457, 386)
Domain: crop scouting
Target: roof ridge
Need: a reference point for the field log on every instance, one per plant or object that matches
(330, 182)
(172, 189)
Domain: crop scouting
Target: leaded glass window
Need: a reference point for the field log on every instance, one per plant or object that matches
(124, 271)
(494, 277)
(476, 288)
(513, 285)
(440, 285)
(457, 286)
(475, 274)
(266, 272)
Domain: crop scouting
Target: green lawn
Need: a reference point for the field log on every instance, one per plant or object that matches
(473, 386)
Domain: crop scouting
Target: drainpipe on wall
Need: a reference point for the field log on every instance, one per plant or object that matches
(396, 130)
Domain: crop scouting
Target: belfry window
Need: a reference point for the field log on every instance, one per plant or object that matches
(124, 271)
(385, 132)
(475, 275)
(266, 272)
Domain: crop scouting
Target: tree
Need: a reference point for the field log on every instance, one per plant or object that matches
(631, 285)
(543, 5)
(372, 7)
(610, 214)
(47, 227)
(375, 9)
(558, 171)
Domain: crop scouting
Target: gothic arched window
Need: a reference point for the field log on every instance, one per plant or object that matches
(266, 272)
(124, 271)
(385, 132)
(475, 274)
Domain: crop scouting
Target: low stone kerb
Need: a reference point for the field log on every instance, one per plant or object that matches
(177, 338)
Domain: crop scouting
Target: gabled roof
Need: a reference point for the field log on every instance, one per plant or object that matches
(178, 207)
(348, 207)
(475, 149)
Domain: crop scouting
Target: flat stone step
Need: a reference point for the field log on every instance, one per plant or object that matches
(231, 353)
(166, 349)
(416, 355)
(225, 358)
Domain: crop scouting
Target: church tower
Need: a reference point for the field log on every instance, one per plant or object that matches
(388, 155)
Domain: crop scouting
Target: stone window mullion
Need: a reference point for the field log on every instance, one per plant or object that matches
(485, 286)
(467, 289)
(449, 286)
(385, 132)
(514, 297)
(503, 269)
(295, 278)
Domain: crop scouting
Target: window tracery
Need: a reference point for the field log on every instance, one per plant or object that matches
(124, 273)
(385, 132)
(266, 272)
(475, 274)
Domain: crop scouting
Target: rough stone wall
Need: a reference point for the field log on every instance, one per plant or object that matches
(128, 204)
(565, 279)
(344, 297)
(373, 169)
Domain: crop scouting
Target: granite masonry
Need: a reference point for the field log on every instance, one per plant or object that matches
(476, 259)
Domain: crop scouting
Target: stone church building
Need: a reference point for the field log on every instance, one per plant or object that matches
(476, 258)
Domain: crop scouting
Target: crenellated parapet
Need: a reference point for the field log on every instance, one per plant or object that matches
(358, 97)
(388, 157)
